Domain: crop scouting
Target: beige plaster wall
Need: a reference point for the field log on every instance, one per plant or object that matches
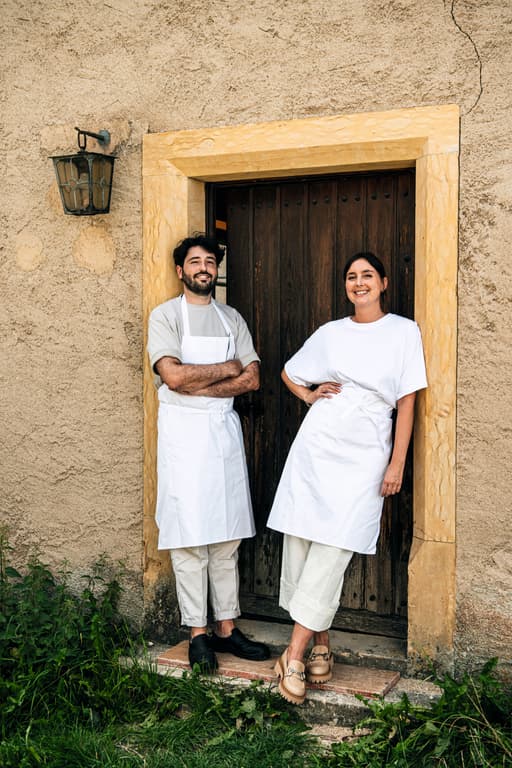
(70, 288)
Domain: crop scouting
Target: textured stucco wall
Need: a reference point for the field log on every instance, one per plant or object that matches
(70, 288)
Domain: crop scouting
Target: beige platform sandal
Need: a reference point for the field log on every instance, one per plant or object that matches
(319, 664)
(292, 680)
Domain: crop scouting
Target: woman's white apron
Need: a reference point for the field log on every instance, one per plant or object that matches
(203, 488)
(329, 491)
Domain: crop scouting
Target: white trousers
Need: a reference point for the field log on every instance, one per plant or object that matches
(311, 581)
(196, 568)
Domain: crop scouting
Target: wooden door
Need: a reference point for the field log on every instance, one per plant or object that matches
(287, 242)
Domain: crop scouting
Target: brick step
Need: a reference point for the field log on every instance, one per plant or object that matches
(332, 704)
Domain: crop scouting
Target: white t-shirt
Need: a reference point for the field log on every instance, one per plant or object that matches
(385, 356)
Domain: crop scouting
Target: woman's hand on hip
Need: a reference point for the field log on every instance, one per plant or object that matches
(327, 389)
(392, 480)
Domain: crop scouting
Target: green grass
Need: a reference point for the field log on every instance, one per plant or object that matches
(469, 726)
(69, 699)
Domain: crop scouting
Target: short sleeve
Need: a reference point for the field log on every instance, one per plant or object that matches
(413, 376)
(245, 351)
(163, 337)
(308, 365)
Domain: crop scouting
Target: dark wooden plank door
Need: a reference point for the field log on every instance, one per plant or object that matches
(287, 242)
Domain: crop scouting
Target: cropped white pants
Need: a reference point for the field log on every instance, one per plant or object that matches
(208, 570)
(311, 581)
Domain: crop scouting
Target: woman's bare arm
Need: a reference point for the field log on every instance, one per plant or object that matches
(403, 431)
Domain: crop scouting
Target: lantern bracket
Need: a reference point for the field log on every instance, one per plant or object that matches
(103, 138)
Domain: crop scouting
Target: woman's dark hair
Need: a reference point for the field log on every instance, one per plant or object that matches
(371, 258)
(209, 244)
(374, 262)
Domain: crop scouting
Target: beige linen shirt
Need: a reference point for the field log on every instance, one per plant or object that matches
(165, 331)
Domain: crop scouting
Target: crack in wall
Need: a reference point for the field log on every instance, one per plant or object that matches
(480, 66)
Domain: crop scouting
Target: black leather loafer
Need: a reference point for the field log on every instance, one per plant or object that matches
(200, 652)
(240, 645)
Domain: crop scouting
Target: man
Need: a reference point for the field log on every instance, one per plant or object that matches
(204, 356)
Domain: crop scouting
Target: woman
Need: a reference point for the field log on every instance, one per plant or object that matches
(330, 496)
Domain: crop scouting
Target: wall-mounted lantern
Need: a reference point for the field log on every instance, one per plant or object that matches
(85, 179)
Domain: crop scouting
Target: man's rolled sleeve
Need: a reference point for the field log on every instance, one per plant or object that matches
(163, 339)
(244, 345)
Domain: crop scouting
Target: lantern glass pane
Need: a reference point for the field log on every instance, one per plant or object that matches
(73, 175)
(101, 177)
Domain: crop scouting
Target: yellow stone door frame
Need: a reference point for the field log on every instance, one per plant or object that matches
(176, 166)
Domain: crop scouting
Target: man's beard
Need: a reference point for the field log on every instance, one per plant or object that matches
(201, 289)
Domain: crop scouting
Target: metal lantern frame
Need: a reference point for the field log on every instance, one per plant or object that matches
(85, 179)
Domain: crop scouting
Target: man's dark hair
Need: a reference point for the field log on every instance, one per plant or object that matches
(210, 245)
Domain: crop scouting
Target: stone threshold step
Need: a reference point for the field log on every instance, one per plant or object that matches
(372, 651)
(368, 665)
(333, 706)
(335, 703)
(346, 679)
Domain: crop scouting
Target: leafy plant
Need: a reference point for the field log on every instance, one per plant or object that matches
(75, 692)
(59, 652)
(470, 725)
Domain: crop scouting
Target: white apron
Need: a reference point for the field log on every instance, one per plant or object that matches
(329, 491)
(203, 487)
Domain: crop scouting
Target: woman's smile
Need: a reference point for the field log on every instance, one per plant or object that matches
(364, 286)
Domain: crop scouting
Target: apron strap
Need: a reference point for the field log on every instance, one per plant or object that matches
(184, 316)
(231, 344)
(222, 318)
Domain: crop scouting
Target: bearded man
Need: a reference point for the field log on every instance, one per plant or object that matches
(203, 356)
